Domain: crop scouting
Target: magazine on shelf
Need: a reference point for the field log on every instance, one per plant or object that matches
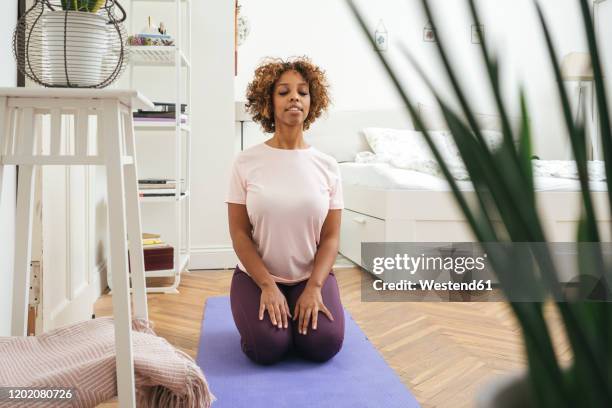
(158, 181)
(169, 191)
(168, 194)
(148, 184)
(166, 186)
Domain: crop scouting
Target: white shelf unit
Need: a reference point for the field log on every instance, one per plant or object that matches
(176, 58)
(159, 125)
(157, 55)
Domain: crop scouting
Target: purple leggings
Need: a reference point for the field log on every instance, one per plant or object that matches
(266, 344)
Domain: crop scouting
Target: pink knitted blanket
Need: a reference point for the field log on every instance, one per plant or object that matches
(82, 357)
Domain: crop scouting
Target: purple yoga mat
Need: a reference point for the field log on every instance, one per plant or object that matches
(357, 377)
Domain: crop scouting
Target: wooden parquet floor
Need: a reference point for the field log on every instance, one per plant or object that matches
(443, 352)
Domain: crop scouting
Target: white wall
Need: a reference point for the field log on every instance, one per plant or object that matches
(213, 130)
(336, 43)
(8, 77)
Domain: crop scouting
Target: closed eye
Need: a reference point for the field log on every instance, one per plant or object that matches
(283, 93)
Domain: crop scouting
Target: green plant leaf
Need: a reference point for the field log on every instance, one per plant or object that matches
(548, 383)
(576, 136)
(95, 5)
(600, 92)
(524, 149)
(502, 180)
(493, 75)
(584, 355)
(513, 187)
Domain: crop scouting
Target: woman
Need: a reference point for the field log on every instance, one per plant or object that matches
(284, 208)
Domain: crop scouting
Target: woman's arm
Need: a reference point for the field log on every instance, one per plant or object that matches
(272, 298)
(242, 240)
(327, 250)
(310, 301)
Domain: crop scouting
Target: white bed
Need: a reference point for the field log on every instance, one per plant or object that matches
(388, 204)
(386, 177)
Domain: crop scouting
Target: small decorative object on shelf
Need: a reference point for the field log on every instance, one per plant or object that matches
(71, 43)
(150, 39)
(151, 34)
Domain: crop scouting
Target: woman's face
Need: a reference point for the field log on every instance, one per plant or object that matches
(291, 99)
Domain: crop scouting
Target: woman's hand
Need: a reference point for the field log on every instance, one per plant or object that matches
(308, 306)
(273, 300)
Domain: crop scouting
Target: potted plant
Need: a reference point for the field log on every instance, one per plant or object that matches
(504, 185)
(74, 43)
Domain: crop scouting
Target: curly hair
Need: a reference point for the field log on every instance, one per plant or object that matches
(260, 90)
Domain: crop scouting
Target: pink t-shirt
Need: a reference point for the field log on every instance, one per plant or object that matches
(287, 194)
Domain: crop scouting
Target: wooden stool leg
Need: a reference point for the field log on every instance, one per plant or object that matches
(23, 239)
(134, 224)
(4, 129)
(118, 254)
(23, 227)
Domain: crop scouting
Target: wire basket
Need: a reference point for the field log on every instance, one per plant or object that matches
(72, 43)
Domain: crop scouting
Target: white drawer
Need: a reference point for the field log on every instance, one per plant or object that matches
(357, 228)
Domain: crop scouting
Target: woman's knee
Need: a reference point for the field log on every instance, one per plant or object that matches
(320, 345)
(267, 346)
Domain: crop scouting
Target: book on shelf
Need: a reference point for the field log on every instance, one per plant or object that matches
(158, 187)
(158, 116)
(158, 181)
(148, 247)
(163, 111)
(159, 191)
(168, 106)
(159, 194)
(168, 186)
(165, 121)
(151, 241)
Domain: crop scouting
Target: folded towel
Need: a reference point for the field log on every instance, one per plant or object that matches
(81, 356)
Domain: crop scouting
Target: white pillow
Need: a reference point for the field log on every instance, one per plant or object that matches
(392, 142)
(407, 149)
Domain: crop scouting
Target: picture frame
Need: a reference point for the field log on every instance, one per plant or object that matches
(429, 34)
(477, 33)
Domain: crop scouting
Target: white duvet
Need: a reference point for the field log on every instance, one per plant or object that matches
(384, 176)
(565, 169)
